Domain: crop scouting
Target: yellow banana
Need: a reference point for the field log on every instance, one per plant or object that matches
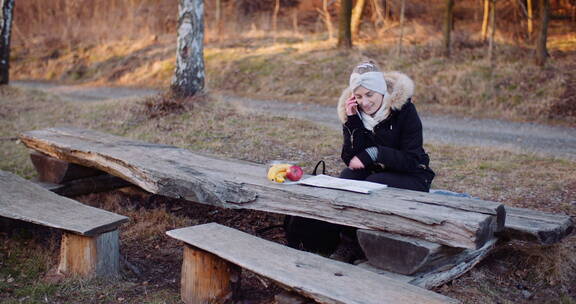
(277, 173)
(280, 177)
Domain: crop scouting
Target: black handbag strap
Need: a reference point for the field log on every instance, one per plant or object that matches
(323, 167)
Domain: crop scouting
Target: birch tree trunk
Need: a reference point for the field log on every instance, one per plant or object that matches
(357, 16)
(541, 50)
(448, 19)
(5, 30)
(399, 48)
(344, 31)
(189, 74)
(485, 20)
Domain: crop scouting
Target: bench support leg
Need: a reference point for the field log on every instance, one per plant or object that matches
(403, 254)
(87, 256)
(206, 278)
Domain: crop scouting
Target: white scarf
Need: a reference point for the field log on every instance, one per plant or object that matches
(370, 121)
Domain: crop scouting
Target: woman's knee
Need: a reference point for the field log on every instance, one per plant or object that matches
(401, 181)
(357, 174)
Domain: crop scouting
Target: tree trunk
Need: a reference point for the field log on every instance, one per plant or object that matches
(387, 10)
(530, 18)
(275, 18)
(5, 30)
(379, 17)
(448, 19)
(219, 18)
(492, 30)
(399, 49)
(485, 20)
(189, 74)
(325, 14)
(357, 16)
(295, 20)
(541, 51)
(344, 31)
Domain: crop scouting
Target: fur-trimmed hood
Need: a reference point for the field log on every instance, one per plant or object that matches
(400, 89)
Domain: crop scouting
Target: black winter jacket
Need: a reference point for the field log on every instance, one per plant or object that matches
(398, 138)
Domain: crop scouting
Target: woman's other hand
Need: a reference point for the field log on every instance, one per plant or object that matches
(355, 163)
(351, 106)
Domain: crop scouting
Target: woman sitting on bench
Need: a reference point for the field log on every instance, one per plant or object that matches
(382, 144)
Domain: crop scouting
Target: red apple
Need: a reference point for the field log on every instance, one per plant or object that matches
(294, 173)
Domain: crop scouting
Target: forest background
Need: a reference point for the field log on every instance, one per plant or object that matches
(286, 50)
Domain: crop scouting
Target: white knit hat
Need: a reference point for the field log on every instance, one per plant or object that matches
(373, 81)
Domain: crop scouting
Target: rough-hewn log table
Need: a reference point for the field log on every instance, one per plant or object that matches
(179, 173)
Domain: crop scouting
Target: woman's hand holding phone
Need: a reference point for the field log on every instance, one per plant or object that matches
(351, 106)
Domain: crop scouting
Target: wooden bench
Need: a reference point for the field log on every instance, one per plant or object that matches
(450, 234)
(89, 245)
(214, 253)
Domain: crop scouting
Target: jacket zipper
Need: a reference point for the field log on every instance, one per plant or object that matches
(351, 136)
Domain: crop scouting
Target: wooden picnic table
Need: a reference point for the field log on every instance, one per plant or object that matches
(180, 173)
(440, 237)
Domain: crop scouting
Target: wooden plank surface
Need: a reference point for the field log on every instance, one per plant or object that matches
(179, 173)
(322, 279)
(22, 200)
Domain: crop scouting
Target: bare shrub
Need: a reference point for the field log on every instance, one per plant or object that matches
(167, 103)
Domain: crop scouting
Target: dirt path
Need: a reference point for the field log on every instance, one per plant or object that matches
(82, 93)
(518, 137)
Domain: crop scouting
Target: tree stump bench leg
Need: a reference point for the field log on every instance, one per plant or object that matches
(88, 256)
(206, 278)
(57, 171)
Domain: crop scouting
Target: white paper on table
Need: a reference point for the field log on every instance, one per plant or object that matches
(331, 182)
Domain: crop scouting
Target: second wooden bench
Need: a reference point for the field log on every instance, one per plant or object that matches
(214, 254)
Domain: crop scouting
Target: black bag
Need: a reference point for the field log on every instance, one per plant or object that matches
(323, 167)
